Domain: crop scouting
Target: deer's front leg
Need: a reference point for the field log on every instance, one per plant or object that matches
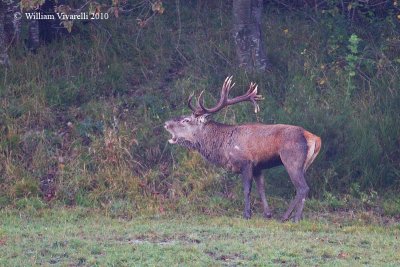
(261, 191)
(247, 178)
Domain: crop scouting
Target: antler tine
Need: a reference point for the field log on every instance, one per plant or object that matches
(254, 97)
(226, 87)
(190, 102)
(200, 101)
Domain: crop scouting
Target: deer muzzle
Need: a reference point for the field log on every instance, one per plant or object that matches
(168, 126)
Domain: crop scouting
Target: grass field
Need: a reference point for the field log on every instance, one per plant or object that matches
(81, 237)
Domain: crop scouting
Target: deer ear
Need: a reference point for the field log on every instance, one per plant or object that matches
(203, 118)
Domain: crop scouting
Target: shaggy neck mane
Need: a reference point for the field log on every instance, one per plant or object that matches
(212, 140)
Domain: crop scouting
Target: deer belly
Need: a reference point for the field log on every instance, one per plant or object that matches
(218, 159)
(270, 163)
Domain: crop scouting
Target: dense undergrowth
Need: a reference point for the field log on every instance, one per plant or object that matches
(81, 121)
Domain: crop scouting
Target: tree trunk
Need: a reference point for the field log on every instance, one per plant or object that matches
(3, 48)
(12, 23)
(33, 39)
(10, 27)
(247, 34)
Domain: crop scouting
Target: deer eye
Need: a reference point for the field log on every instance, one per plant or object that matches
(185, 120)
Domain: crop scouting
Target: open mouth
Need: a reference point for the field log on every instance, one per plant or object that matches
(174, 139)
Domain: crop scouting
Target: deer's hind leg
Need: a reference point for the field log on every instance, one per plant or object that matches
(294, 165)
(302, 190)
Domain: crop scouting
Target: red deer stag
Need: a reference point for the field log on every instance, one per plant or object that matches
(248, 148)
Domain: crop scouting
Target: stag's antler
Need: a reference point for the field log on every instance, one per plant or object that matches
(224, 101)
(190, 103)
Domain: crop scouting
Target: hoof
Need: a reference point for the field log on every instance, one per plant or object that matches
(284, 219)
(268, 215)
(296, 220)
(247, 216)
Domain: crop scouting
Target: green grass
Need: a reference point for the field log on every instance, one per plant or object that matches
(82, 237)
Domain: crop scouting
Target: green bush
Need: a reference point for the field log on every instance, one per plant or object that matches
(391, 207)
(30, 204)
(26, 188)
